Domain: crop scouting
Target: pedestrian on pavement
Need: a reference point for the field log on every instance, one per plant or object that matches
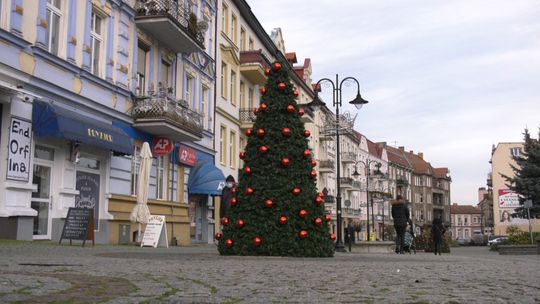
(437, 232)
(400, 214)
(226, 196)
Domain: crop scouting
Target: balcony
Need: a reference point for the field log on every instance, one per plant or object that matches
(172, 23)
(160, 114)
(346, 182)
(348, 157)
(252, 66)
(326, 166)
(247, 118)
(309, 116)
(356, 185)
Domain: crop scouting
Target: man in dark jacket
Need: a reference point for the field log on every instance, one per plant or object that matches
(437, 231)
(400, 214)
(226, 196)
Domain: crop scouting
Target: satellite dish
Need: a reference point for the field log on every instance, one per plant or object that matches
(202, 25)
(347, 203)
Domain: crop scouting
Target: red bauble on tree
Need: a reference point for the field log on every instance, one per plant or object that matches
(267, 72)
(307, 153)
(234, 190)
(296, 93)
(247, 170)
(249, 191)
(320, 194)
(218, 236)
(285, 161)
(296, 191)
(313, 173)
(318, 222)
(290, 108)
(242, 155)
(307, 133)
(277, 66)
(268, 203)
(302, 213)
(263, 149)
(224, 221)
(333, 237)
(257, 241)
(234, 201)
(264, 106)
(286, 132)
(318, 200)
(229, 243)
(313, 163)
(256, 111)
(283, 220)
(282, 86)
(249, 132)
(240, 224)
(303, 234)
(261, 132)
(327, 218)
(301, 112)
(262, 90)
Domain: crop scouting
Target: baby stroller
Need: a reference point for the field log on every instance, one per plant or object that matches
(409, 241)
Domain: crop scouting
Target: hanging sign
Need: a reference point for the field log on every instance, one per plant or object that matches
(187, 155)
(20, 141)
(156, 232)
(161, 146)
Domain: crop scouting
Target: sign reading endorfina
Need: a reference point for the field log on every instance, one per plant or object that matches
(20, 141)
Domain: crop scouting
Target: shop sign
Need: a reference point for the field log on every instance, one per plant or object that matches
(161, 146)
(187, 156)
(20, 141)
(154, 233)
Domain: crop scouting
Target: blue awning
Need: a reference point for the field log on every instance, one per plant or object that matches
(50, 120)
(205, 178)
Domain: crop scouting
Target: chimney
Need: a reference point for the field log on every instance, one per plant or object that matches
(482, 192)
(421, 155)
(411, 151)
(402, 148)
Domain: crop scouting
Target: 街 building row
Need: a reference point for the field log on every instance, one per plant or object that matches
(83, 84)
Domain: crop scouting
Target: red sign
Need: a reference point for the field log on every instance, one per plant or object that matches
(161, 146)
(187, 156)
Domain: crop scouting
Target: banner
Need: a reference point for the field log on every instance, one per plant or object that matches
(508, 199)
(506, 218)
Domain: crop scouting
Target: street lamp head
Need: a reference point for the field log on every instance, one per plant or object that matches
(316, 103)
(355, 174)
(358, 102)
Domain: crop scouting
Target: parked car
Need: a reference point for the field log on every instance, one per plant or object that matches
(479, 239)
(464, 242)
(497, 240)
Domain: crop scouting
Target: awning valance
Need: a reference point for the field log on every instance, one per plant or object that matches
(205, 178)
(50, 120)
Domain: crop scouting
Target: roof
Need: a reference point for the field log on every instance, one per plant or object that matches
(397, 157)
(291, 57)
(441, 172)
(420, 166)
(464, 209)
(374, 149)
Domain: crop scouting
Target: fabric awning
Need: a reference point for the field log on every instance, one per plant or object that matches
(205, 178)
(50, 120)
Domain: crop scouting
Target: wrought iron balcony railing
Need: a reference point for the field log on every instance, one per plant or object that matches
(247, 115)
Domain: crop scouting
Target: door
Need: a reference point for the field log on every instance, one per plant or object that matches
(88, 180)
(42, 198)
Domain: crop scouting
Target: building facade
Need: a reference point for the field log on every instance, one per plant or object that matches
(465, 220)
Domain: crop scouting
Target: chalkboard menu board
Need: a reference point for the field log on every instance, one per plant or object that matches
(79, 225)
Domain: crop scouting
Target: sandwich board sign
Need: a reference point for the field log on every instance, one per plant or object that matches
(156, 232)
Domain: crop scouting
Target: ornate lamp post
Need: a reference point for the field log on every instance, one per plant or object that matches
(367, 166)
(358, 102)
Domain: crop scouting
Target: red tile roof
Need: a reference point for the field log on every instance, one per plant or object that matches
(291, 57)
(464, 209)
(374, 149)
(397, 156)
(420, 166)
(440, 172)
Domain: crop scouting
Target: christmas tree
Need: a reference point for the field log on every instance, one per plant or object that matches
(277, 210)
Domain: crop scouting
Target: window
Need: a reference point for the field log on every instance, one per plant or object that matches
(205, 106)
(250, 46)
(142, 53)
(160, 178)
(165, 74)
(234, 23)
(95, 44)
(222, 145)
(242, 148)
(225, 18)
(242, 95)
(242, 39)
(135, 167)
(233, 88)
(189, 90)
(515, 152)
(232, 150)
(250, 98)
(465, 221)
(223, 80)
(53, 16)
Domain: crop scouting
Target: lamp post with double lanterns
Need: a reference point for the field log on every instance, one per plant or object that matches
(358, 102)
(367, 165)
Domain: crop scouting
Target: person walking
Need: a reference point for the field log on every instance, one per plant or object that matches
(226, 196)
(437, 232)
(400, 214)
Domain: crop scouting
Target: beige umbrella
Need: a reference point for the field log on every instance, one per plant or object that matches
(140, 213)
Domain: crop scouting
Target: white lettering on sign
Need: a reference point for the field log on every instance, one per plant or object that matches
(20, 142)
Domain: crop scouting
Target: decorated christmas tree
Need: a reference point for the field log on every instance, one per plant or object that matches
(276, 210)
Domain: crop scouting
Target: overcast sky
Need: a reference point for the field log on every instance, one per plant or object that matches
(446, 78)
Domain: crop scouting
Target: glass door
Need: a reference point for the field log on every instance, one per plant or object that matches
(41, 201)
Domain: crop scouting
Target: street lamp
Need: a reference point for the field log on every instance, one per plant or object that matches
(358, 102)
(367, 165)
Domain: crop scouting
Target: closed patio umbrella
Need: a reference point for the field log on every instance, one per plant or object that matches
(140, 213)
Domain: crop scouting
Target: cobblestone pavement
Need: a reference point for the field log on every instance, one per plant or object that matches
(45, 272)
